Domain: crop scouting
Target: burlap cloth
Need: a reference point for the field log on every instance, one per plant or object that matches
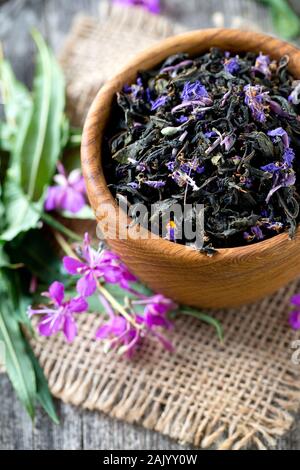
(228, 395)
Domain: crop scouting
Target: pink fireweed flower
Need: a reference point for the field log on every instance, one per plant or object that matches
(69, 192)
(94, 265)
(258, 101)
(118, 333)
(59, 313)
(294, 319)
(156, 309)
(151, 5)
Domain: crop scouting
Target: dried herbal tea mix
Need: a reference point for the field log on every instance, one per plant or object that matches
(220, 130)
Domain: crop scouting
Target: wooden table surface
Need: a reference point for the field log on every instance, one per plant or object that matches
(81, 429)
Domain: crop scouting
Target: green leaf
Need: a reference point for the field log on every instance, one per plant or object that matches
(86, 213)
(42, 394)
(37, 253)
(18, 365)
(18, 108)
(42, 145)
(203, 317)
(21, 214)
(285, 20)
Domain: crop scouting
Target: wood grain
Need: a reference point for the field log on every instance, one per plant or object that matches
(233, 276)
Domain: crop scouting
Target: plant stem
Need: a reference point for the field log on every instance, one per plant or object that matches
(49, 220)
(65, 245)
(115, 304)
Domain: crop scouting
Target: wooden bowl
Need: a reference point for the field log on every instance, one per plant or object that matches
(233, 276)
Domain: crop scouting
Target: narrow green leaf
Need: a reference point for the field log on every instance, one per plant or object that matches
(18, 365)
(205, 318)
(43, 394)
(18, 108)
(42, 145)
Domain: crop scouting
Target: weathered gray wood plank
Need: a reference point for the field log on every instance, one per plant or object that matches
(78, 428)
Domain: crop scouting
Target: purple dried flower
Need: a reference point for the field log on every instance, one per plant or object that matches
(193, 91)
(228, 141)
(272, 167)
(181, 119)
(171, 231)
(59, 313)
(262, 65)
(170, 165)
(160, 101)
(174, 68)
(256, 230)
(182, 179)
(133, 185)
(68, 194)
(281, 180)
(155, 184)
(288, 157)
(257, 100)
(294, 97)
(280, 132)
(200, 169)
(151, 5)
(210, 134)
(232, 65)
(94, 265)
(127, 88)
(294, 319)
(256, 233)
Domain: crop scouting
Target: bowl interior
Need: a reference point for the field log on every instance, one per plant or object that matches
(194, 43)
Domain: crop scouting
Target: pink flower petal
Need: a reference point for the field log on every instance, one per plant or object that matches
(294, 319)
(103, 332)
(86, 286)
(50, 325)
(57, 292)
(72, 201)
(72, 265)
(295, 300)
(78, 305)
(53, 198)
(70, 328)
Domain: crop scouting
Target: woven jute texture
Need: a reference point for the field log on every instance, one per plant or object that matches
(229, 395)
